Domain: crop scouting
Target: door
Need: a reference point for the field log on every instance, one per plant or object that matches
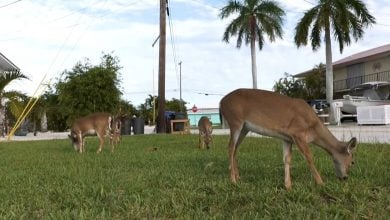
(355, 74)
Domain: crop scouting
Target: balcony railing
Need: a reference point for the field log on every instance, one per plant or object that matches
(346, 84)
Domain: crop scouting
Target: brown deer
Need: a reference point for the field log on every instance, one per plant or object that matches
(205, 130)
(289, 119)
(101, 124)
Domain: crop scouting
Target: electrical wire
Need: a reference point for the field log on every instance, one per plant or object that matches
(43, 86)
(173, 44)
(6, 5)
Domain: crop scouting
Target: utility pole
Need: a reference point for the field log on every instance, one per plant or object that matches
(161, 68)
(181, 100)
(154, 96)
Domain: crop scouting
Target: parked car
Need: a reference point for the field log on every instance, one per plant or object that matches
(318, 104)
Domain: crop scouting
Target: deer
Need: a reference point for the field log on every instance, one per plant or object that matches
(289, 119)
(101, 124)
(205, 127)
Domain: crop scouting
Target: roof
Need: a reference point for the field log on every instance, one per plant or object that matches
(368, 55)
(6, 64)
(364, 56)
(204, 111)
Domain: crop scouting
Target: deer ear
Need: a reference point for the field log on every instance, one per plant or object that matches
(351, 145)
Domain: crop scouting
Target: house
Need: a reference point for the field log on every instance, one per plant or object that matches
(367, 66)
(5, 65)
(212, 113)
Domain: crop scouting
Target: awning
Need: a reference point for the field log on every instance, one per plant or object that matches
(6, 64)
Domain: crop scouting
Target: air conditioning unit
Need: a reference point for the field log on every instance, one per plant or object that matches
(377, 115)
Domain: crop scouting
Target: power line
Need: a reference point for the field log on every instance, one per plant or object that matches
(3, 6)
(387, 25)
(309, 2)
(173, 43)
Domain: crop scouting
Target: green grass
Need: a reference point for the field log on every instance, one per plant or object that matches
(166, 176)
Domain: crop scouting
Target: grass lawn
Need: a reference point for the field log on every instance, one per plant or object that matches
(166, 176)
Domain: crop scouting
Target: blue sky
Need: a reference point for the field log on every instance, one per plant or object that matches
(47, 37)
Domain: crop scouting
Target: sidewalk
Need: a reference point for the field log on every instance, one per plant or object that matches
(344, 132)
(364, 134)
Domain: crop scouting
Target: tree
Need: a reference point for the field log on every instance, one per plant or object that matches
(11, 101)
(88, 88)
(146, 109)
(290, 86)
(13, 97)
(311, 87)
(315, 83)
(175, 105)
(255, 19)
(346, 19)
(56, 120)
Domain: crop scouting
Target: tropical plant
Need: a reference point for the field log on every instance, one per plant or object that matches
(145, 110)
(88, 89)
(290, 86)
(315, 83)
(255, 19)
(308, 88)
(345, 19)
(11, 98)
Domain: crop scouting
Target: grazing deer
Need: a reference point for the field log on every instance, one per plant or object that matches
(205, 130)
(289, 119)
(100, 124)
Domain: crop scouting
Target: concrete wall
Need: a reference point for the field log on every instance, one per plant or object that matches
(370, 67)
(194, 118)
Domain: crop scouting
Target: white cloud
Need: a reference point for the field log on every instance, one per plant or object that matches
(50, 36)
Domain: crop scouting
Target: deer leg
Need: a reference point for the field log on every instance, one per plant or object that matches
(287, 147)
(203, 140)
(82, 143)
(232, 145)
(82, 147)
(113, 142)
(200, 141)
(211, 143)
(101, 143)
(235, 140)
(302, 145)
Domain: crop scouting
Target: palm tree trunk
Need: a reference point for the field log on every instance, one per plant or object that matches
(329, 75)
(253, 56)
(329, 68)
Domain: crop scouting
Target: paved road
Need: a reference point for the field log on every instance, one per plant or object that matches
(364, 134)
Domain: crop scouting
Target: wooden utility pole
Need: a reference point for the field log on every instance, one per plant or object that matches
(161, 69)
(181, 100)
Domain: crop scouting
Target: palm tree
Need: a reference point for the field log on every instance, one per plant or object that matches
(14, 97)
(345, 19)
(255, 19)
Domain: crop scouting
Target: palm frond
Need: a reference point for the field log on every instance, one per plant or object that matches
(260, 39)
(268, 20)
(8, 76)
(315, 36)
(231, 8)
(233, 28)
(16, 101)
(303, 26)
(360, 10)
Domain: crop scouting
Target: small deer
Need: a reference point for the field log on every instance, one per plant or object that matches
(101, 124)
(289, 119)
(205, 132)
